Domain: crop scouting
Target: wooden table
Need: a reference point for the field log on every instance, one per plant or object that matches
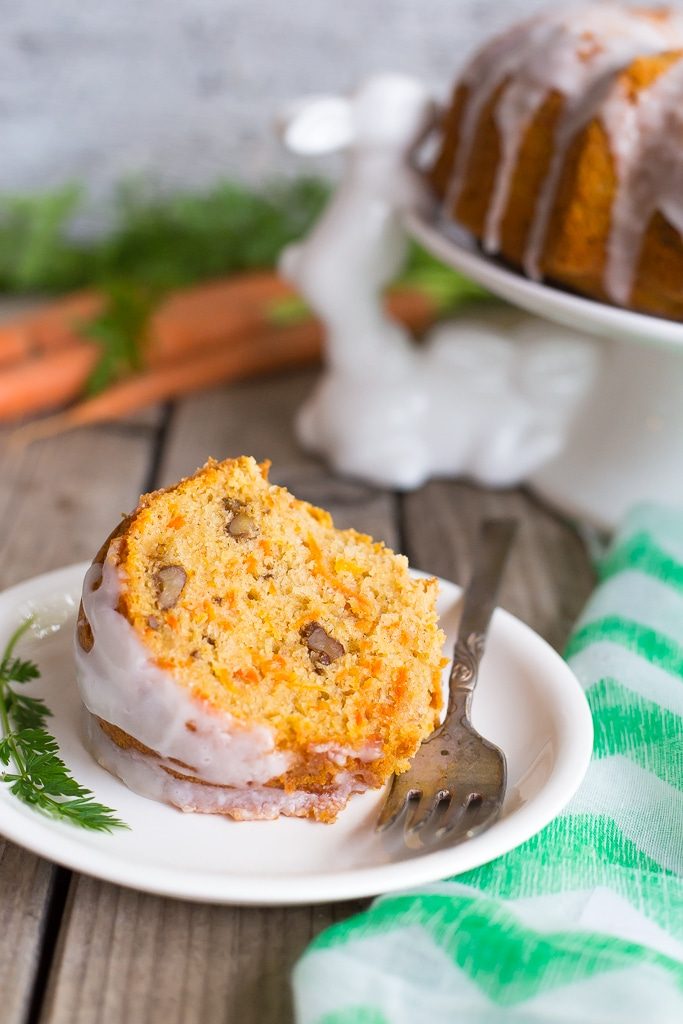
(75, 950)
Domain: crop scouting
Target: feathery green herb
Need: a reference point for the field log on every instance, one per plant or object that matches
(34, 771)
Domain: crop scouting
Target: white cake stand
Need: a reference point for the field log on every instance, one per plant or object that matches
(587, 404)
(627, 445)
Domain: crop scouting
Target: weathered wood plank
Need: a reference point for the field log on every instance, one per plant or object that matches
(256, 418)
(549, 576)
(128, 956)
(25, 887)
(58, 500)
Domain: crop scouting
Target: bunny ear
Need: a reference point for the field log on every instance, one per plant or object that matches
(317, 124)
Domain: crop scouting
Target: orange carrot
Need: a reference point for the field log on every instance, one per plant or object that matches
(51, 327)
(38, 384)
(413, 307)
(190, 323)
(12, 347)
(210, 313)
(266, 352)
(187, 320)
(214, 313)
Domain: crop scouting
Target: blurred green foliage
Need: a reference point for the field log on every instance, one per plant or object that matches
(158, 242)
(447, 288)
(154, 243)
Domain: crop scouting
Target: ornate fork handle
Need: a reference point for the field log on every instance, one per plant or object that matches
(466, 657)
(479, 603)
(457, 772)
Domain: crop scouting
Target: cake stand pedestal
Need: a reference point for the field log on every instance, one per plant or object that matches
(626, 446)
(584, 400)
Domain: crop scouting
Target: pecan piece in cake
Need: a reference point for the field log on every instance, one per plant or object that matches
(240, 524)
(169, 582)
(323, 649)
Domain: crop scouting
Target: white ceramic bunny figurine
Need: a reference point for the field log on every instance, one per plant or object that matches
(358, 245)
(468, 401)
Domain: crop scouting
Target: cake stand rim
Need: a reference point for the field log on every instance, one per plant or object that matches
(456, 248)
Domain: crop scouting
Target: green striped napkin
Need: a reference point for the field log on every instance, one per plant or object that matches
(584, 922)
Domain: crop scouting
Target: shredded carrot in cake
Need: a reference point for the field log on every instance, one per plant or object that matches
(277, 618)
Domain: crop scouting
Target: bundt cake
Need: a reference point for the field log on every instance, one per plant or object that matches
(562, 151)
(236, 654)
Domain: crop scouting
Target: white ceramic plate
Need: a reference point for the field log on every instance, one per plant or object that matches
(457, 249)
(527, 701)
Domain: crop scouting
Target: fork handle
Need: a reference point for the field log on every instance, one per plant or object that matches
(493, 547)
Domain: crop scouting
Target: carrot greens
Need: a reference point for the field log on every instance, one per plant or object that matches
(33, 769)
(153, 243)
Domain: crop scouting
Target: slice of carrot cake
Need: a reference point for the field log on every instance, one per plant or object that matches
(238, 655)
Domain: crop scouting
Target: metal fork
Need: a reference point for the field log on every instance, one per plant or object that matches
(456, 770)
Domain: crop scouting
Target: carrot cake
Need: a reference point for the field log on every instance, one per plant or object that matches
(236, 654)
(562, 151)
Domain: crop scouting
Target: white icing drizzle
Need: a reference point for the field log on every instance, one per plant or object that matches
(485, 73)
(145, 776)
(339, 755)
(574, 52)
(120, 684)
(645, 135)
(575, 117)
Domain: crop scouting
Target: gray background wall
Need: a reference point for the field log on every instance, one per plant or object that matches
(184, 91)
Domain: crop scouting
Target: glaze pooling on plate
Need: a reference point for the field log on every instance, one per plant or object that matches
(527, 700)
(147, 777)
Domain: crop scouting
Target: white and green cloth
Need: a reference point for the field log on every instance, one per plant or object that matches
(584, 922)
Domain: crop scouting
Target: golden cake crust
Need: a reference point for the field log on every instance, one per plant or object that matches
(532, 171)
(278, 620)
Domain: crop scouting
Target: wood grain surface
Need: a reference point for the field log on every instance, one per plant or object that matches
(74, 950)
(58, 500)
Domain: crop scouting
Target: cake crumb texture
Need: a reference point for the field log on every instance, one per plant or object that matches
(257, 605)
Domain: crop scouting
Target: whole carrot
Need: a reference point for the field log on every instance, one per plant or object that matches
(37, 384)
(211, 314)
(263, 352)
(48, 360)
(48, 328)
(187, 320)
(206, 314)
(200, 320)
